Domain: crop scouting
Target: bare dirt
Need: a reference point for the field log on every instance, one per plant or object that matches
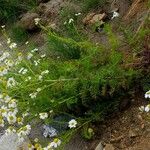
(127, 130)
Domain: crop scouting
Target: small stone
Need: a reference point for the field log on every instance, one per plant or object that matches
(50, 9)
(99, 146)
(88, 18)
(93, 18)
(143, 125)
(27, 21)
(109, 147)
(98, 17)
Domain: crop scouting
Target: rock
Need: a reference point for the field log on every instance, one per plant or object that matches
(88, 18)
(98, 17)
(99, 146)
(27, 21)
(93, 18)
(109, 147)
(11, 142)
(50, 9)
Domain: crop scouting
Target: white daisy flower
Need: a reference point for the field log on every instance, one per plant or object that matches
(13, 111)
(142, 108)
(7, 98)
(3, 26)
(77, 14)
(28, 78)
(45, 72)
(8, 41)
(29, 56)
(36, 20)
(70, 20)
(3, 71)
(1, 96)
(27, 42)
(25, 114)
(147, 94)
(13, 45)
(10, 130)
(23, 131)
(11, 118)
(11, 82)
(31, 147)
(147, 108)
(38, 89)
(27, 129)
(9, 63)
(4, 111)
(65, 22)
(34, 50)
(40, 77)
(12, 103)
(20, 120)
(36, 63)
(36, 140)
(72, 123)
(115, 15)
(33, 95)
(43, 115)
(56, 142)
(1, 122)
(44, 55)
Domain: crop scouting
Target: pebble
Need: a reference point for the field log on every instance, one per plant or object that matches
(99, 146)
(109, 147)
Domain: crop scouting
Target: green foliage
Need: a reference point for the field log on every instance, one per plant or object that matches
(136, 39)
(67, 13)
(70, 29)
(93, 4)
(87, 132)
(145, 81)
(18, 34)
(67, 47)
(85, 78)
(10, 9)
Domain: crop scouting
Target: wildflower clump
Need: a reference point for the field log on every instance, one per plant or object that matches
(78, 79)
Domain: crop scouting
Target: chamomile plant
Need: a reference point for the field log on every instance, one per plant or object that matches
(25, 81)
